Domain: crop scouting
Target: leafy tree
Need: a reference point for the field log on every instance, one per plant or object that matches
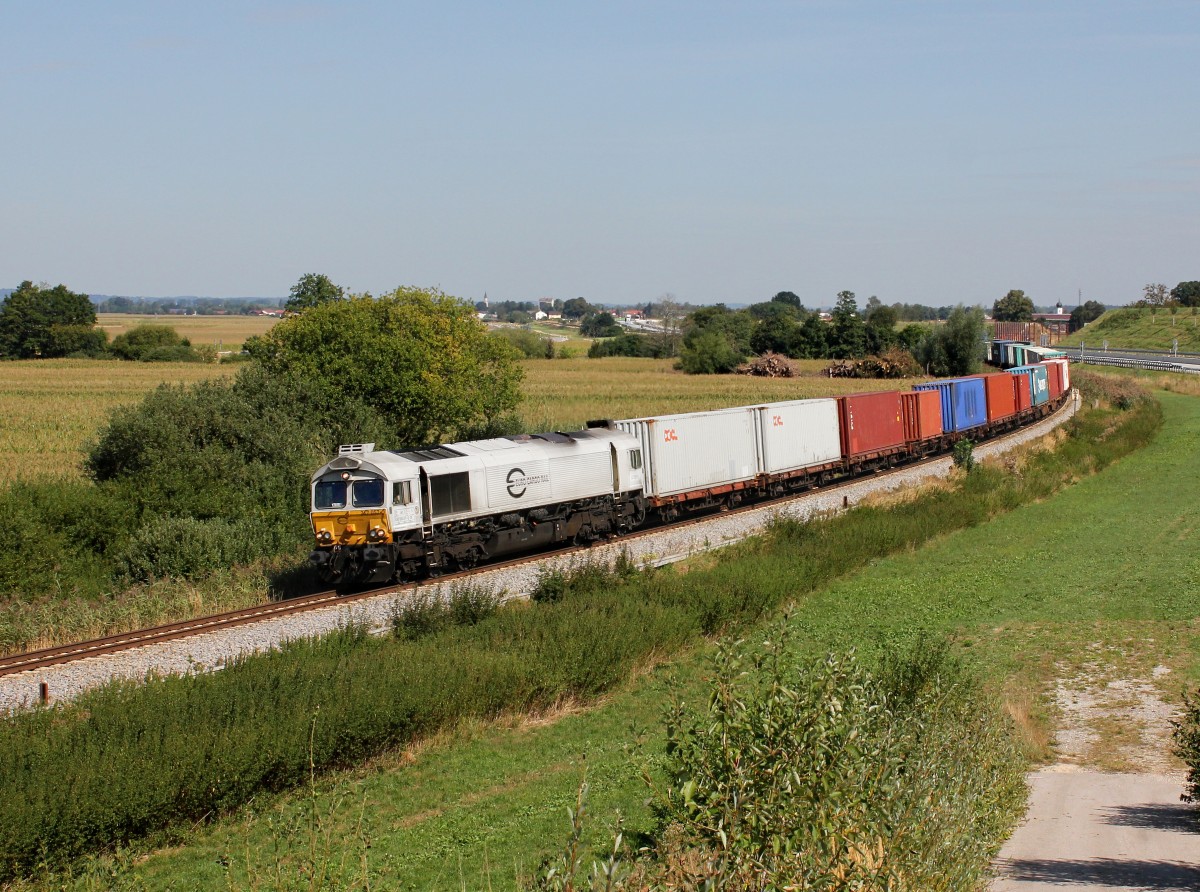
(576, 308)
(312, 290)
(777, 328)
(812, 340)
(40, 321)
(881, 327)
(1013, 307)
(142, 340)
(599, 325)
(418, 357)
(847, 332)
(1085, 313)
(955, 347)
(1186, 294)
(789, 299)
(710, 352)
(1155, 294)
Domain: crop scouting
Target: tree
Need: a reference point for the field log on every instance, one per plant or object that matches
(1013, 307)
(1186, 294)
(1155, 294)
(1085, 313)
(599, 325)
(418, 357)
(847, 333)
(790, 299)
(312, 290)
(670, 314)
(131, 344)
(576, 308)
(40, 321)
(777, 327)
(955, 347)
(710, 352)
(881, 326)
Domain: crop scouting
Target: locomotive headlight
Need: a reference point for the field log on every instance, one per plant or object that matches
(377, 534)
(324, 537)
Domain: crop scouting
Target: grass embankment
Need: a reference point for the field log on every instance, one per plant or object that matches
(568, 649)
(1141, 329)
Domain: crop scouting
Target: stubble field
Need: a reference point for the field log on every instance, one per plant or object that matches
(53, 408)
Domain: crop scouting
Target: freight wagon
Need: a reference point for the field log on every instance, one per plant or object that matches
(379, 515)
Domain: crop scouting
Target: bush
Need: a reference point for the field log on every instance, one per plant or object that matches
(185, 548)
(1187, 743)
(530, 344)
(835, 775)
(152, 343)
(964, 455)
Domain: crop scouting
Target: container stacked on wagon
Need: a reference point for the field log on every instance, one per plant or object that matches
(380, 515)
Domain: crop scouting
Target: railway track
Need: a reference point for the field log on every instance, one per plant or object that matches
(40, 659)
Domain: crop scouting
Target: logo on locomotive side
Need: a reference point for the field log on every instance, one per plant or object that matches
(518, 483)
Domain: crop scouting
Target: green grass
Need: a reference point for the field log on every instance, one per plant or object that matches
(499, 797)
(1141, 329)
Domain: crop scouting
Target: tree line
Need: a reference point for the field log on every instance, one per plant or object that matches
(714, 340)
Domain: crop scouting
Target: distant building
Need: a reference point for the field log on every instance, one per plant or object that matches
(1058, 323)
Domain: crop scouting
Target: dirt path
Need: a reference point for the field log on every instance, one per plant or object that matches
(1106, 830)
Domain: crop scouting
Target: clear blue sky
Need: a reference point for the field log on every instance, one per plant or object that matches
(929, 152)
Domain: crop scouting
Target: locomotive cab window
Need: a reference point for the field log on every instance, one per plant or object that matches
(368, 493)
(635, 458)
(402, 492)
(330, 494)
(450, 493)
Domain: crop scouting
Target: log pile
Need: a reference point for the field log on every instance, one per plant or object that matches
(894, 363)
(769, 365)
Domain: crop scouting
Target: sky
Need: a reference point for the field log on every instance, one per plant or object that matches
(922, 152)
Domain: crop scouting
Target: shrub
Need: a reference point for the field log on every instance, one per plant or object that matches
(143, 342)
(1187, 743)
(835, 775)
(964, 455)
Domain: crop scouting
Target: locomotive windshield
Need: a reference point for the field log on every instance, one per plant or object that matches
(368, 493)
(330, 494)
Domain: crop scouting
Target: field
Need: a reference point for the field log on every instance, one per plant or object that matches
(227, 332)
(1103, 574)
(53, 407)
(562, 394)
(1141, 329)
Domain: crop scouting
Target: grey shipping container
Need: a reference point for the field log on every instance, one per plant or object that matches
(799, 434)
(698, 450)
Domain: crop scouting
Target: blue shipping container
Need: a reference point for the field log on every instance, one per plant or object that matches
(1039, 383)
(964, 402)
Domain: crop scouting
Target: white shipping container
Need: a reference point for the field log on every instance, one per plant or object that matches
(799, 433)
(697, 450)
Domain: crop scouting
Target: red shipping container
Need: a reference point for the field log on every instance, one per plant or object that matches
(1021, 388)
(871, 423)
(1001, 398)
(922, 415)
(1054, 378)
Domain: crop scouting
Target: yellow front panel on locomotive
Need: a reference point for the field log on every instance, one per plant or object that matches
(351, 527)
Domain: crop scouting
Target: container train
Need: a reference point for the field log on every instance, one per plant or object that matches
(379, 515)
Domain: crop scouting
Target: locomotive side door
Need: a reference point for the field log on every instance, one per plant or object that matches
(404, 503)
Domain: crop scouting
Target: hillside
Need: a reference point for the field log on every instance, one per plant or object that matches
(1142, 329)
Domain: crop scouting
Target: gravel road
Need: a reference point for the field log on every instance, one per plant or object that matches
(211, 652)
